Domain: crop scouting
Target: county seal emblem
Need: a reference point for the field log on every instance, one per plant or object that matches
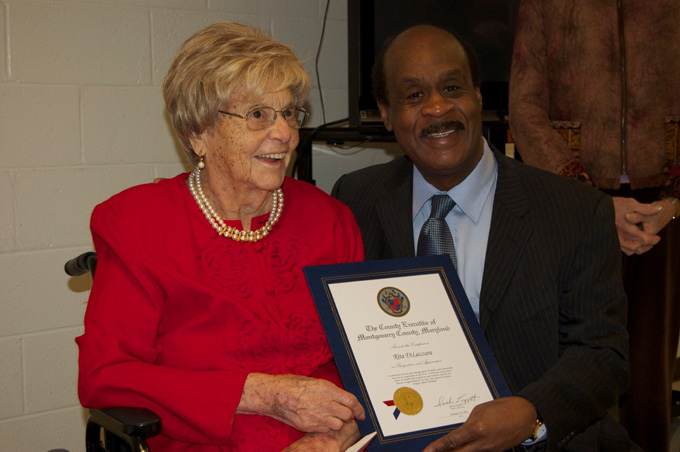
(393, 301)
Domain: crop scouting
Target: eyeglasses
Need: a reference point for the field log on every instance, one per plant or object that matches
(262, 117)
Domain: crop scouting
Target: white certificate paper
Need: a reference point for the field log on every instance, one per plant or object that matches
(407, 345)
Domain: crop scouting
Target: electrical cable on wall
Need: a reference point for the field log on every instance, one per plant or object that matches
(316, 61)
(310, 137)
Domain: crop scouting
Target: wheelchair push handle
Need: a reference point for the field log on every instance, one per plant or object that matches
(82, 264)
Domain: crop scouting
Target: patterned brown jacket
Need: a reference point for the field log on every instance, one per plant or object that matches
(607, 76)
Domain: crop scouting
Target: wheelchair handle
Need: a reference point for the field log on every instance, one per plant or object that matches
(82, 264)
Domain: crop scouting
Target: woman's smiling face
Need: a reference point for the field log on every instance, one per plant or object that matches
(246, 159)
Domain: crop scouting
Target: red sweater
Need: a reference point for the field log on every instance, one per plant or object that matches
(179, 316)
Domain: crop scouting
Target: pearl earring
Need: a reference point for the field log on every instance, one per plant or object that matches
(201, 163)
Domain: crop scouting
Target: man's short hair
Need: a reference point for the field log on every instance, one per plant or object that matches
(378, 71)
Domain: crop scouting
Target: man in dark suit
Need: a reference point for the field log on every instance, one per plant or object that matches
(537, 254)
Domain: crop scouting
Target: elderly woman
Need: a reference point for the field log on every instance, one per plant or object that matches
(199, 309)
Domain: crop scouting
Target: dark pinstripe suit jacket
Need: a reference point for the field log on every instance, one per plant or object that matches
(552, 304)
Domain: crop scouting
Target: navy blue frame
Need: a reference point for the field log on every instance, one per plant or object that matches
(319, 278)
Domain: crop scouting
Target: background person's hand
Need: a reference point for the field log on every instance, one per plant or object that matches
(666, 212)
(637, 224)
(332, 441)
(492, 426)
(307, 404)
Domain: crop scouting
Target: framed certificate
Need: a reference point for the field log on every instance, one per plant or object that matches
(407, 344)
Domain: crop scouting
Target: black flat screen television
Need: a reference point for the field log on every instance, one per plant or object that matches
(488, 25)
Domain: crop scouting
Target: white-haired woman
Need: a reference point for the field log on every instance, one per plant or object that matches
(199, 309)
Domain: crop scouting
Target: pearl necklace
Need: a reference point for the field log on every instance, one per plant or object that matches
(217, 222)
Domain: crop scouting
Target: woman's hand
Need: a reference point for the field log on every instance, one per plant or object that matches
(333, 441)
(307, 404)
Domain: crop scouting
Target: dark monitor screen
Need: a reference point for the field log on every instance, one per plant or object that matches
(488, 25)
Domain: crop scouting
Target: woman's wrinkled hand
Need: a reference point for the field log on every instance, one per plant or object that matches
(332, 441)
(307, 404)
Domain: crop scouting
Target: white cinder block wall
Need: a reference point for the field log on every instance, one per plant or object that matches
(81, 118)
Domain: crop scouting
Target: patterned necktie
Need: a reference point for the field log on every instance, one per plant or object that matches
(435, 236)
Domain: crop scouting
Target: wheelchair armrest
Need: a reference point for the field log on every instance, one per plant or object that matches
(120, 429)
(130, 421)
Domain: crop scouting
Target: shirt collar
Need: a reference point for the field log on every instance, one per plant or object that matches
(469, 195)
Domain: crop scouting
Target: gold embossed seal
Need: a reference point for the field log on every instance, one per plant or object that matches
(408, 401)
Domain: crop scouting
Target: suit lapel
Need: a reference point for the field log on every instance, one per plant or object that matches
(507, 237)
(394, 209)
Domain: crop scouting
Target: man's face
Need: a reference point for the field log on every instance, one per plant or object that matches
(434, 109)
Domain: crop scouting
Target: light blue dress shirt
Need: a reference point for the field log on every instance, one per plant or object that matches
(469, 221)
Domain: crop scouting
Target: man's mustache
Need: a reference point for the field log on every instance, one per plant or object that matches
(442, 127)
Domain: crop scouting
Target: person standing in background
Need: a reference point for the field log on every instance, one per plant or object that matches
(610, 72)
